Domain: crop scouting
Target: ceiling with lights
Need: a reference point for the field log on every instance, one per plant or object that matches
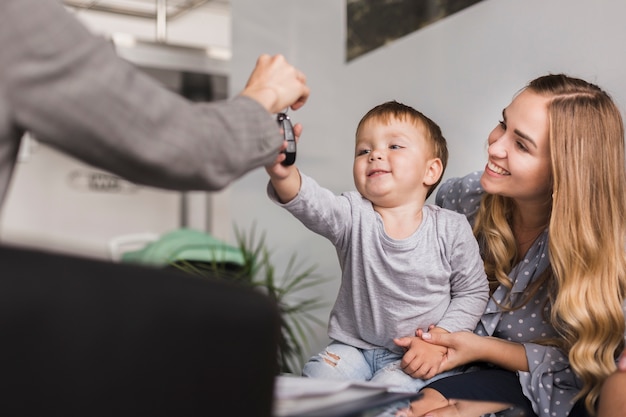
(142, 8)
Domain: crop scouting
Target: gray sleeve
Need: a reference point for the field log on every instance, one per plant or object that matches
(72, 92)
(320, 210)
(469, 287)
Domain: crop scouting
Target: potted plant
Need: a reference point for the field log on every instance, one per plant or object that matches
(254, 267)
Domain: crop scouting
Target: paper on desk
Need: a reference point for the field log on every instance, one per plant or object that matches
(293, 387)
(311, 397)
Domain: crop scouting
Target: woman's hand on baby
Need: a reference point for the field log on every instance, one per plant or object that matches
(462, 347)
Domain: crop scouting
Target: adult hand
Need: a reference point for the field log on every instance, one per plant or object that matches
(276, 84)
(467, 347)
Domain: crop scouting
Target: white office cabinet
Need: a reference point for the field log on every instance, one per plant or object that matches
(56, 202)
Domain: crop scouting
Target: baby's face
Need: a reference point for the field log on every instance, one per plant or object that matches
(390, 162)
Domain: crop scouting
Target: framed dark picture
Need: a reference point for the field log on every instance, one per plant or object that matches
(374, 23)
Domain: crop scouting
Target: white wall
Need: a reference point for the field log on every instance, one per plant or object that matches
(460, 71)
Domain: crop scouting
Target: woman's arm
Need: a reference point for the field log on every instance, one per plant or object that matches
(466, 347)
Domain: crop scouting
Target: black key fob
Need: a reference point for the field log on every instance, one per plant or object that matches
(285, 124)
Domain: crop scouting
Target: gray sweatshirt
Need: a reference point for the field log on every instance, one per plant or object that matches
(389, 287)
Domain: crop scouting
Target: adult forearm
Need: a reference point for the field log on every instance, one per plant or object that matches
(467, 347)
(502, 353)
(71, 90)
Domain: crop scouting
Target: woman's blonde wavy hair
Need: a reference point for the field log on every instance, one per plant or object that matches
(587, 229)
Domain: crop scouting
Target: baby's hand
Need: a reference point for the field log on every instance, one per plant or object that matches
(285, 179)
(421, 360)
(276, 170)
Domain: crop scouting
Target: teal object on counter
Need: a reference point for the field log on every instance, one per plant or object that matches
(185, 245)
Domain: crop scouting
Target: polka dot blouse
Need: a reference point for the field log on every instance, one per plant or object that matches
(550, 384)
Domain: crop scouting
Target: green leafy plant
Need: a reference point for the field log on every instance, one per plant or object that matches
(258, 271)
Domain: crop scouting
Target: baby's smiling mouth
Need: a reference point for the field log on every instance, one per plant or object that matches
(377, 172)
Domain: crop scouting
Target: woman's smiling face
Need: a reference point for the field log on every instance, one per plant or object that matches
(519, 151)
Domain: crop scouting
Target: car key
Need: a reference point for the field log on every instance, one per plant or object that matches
(285, 123)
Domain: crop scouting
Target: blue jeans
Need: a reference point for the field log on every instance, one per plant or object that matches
(341, 361)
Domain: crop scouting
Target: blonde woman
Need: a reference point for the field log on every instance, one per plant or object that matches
(549, 214)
